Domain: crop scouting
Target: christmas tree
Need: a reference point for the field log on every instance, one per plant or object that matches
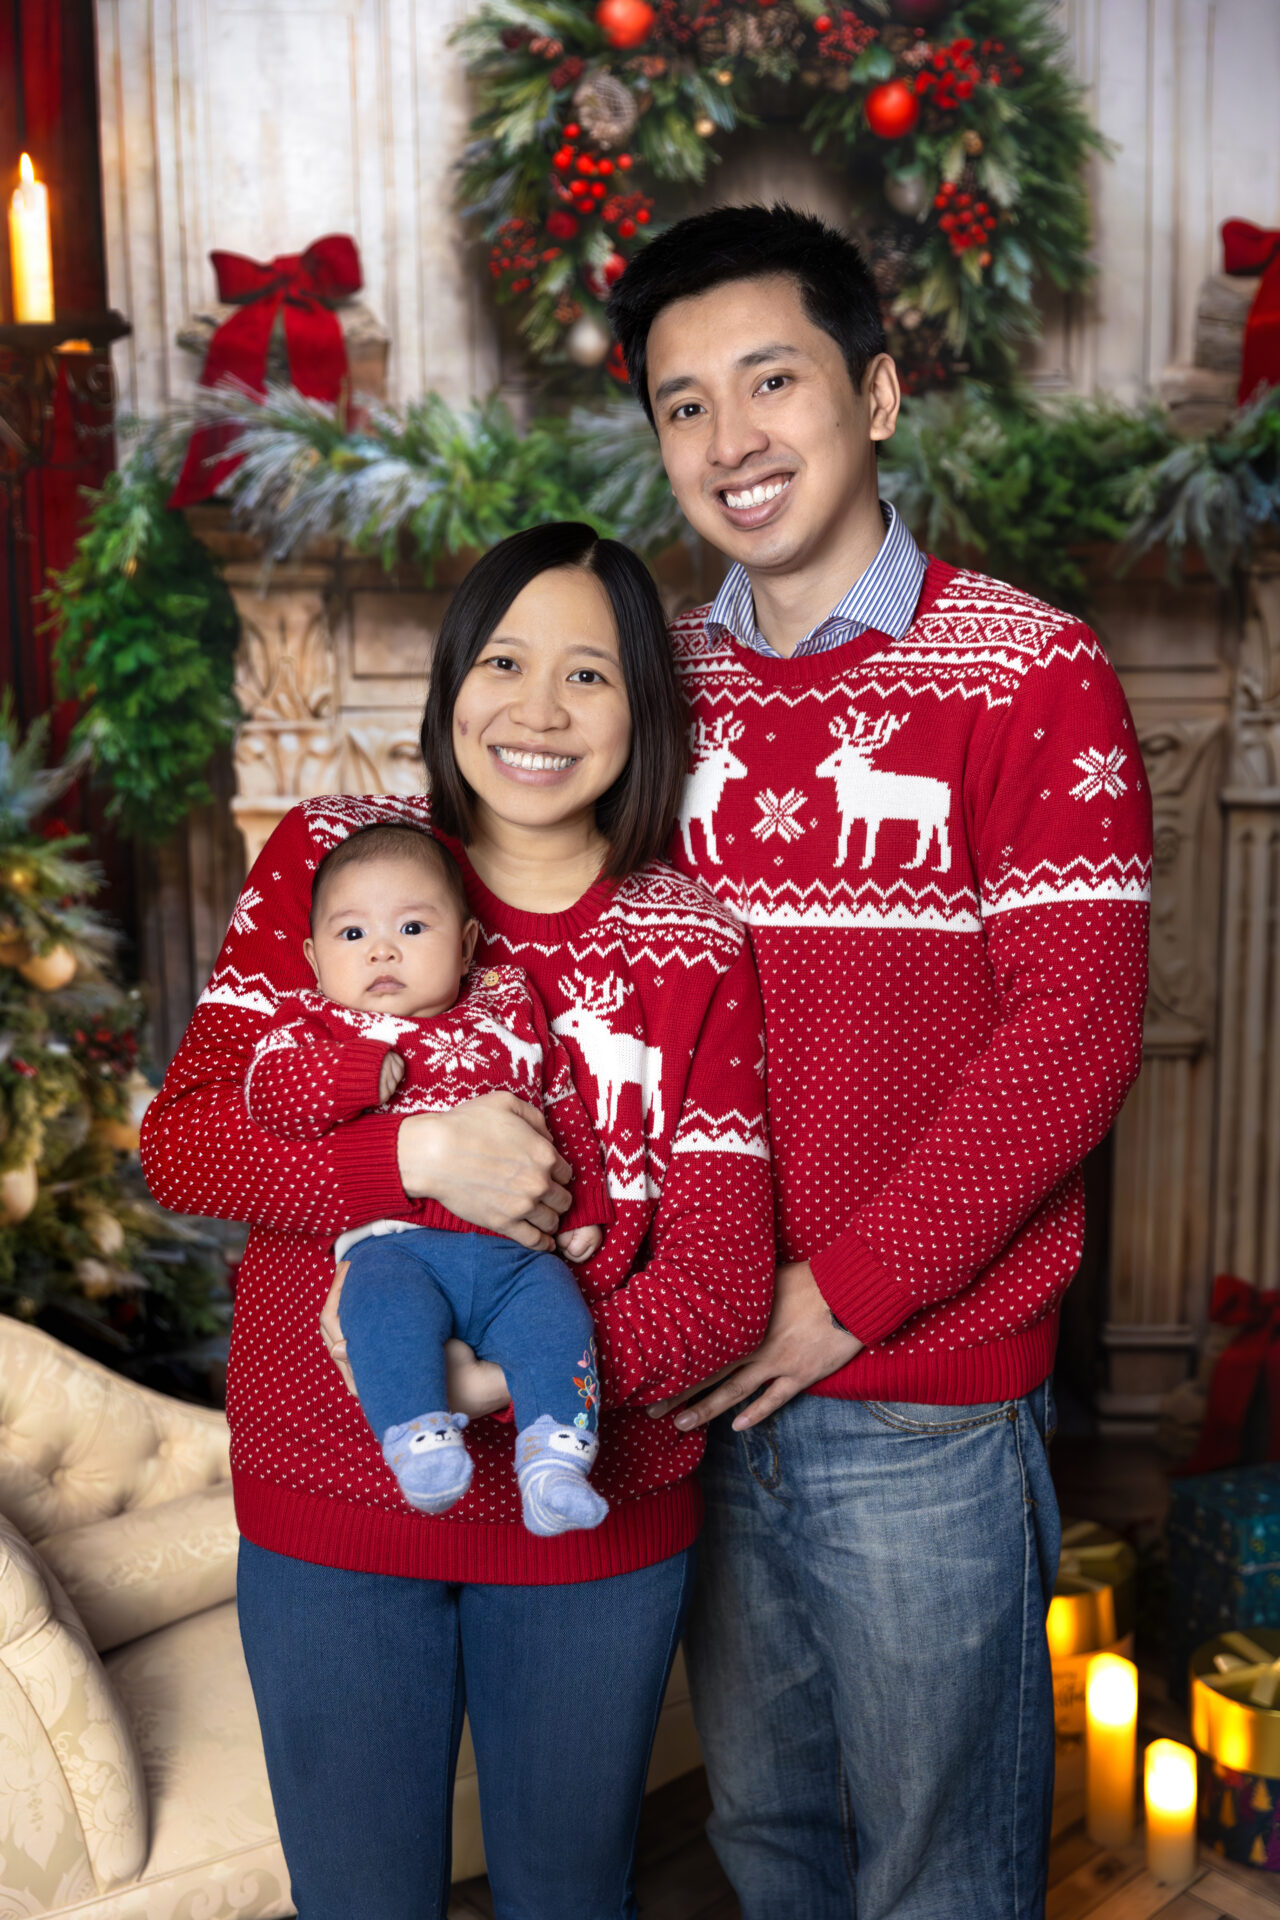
(80, 1239)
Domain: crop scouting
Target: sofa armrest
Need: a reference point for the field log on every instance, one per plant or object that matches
(73, 1810)
(138, 1571)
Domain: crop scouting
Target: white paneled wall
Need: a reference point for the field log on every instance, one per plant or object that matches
(260, 124)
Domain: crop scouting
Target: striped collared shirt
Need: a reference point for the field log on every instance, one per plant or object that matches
(884, 597)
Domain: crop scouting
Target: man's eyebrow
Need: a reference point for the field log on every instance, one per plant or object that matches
(776, 350)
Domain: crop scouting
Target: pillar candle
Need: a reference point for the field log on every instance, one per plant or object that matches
(29, 248)
(1169, 1779)
(1111, 1723)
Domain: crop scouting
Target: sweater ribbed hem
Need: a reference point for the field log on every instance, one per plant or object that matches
(952, 1377)
(369, 1171)
(592, 1206)
(359, 1071)
(860, 1291)
(338, 1533)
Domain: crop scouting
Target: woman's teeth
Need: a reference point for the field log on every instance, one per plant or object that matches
(535, 762)
(756, 496)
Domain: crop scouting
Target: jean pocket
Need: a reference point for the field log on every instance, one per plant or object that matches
(911, 1416)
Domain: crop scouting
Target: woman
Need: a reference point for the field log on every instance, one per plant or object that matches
(554, 739)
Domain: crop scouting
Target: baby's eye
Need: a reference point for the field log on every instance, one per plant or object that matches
(352, 933)
(413, 926)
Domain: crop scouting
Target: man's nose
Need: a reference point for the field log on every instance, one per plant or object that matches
(735, 437)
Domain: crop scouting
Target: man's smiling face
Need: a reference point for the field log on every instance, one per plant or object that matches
(766, 442)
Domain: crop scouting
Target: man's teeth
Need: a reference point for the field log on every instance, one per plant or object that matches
(535, 762)
(756, 496)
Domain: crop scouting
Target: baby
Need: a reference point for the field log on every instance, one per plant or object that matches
(397, 1017)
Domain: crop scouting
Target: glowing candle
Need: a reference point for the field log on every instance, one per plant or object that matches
(1111, 1723)
(29, 248)
(1169, 1781)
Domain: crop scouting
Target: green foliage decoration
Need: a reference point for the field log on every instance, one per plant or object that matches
(974, 190)
(145, 641)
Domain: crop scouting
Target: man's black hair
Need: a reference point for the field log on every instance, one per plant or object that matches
(745, 243)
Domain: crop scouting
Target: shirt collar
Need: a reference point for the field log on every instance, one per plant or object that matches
(884, 597)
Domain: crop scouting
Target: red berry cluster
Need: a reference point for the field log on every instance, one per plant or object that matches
(950, 76)
(672, 22)
(1004, 65)
(843, 37)
(965, 221)
(591, 183)
(114, 1054)
(516, 251)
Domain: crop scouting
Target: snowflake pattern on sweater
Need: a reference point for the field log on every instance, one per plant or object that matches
(651, 987)
(318, 1064)
(941, 846)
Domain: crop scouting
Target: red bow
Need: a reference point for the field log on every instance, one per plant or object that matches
(303, 284)
(1250, 249)
(1235, 1377)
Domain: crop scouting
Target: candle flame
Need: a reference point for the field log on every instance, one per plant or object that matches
(1111, 1691)
(26, 170)
(1169, 1777)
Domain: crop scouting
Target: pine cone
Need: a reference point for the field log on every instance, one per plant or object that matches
(605, 108)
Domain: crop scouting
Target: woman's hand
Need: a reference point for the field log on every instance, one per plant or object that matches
(331, 1330)
(490, 1161)
(476, 1387)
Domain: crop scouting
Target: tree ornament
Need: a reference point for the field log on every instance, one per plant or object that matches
(606, 107)
(19, 1191)
(49, 971)
(892, 110)
(13, 947)
(625, 23)
(103, 1228)
(704, 126)
(972, 142)
(588, 342)
(907, 193)
(20, 876)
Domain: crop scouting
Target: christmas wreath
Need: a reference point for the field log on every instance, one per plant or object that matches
(962, 132)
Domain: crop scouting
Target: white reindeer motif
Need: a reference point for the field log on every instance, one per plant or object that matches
(714, 765)
(863, 793)
(615, 1060)
(525, 1055)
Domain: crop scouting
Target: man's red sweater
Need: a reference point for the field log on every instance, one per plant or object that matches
(941, 846)
(651, 986)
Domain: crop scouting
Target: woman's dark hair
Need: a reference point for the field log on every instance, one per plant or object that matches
(745, 243)
(637, 815)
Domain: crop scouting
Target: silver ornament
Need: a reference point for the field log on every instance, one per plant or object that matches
(588, 341)
(907, 193)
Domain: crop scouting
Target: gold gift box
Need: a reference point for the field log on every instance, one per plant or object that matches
(1093, 1599)
(1235, 1700)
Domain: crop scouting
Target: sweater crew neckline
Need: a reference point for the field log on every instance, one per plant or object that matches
(828, 665)
(521, 924)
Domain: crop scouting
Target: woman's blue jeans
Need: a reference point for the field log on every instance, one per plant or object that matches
(867, 1652)
(361, 1681)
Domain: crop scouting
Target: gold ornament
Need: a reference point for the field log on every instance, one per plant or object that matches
(21, 877)
(588, 341)
(972, 142)
(96, 1279)
(49, 971)
(13, 947)
(704, 126)
(103, 1229)
(723, 78)
(19, 1190)
(606, 108)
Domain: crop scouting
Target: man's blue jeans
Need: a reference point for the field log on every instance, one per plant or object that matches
(868, 1658)
(361, 1680)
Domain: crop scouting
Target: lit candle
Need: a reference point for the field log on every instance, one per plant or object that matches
(1111, 1722)
(1169, 1781)
(29, 248)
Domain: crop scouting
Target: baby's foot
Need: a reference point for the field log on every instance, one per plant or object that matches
(429, 1458)
(552, 1464)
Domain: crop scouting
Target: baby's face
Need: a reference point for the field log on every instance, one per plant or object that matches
(388, 938)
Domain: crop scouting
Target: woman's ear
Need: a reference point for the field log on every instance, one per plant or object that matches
(470, 934)
(309, 948)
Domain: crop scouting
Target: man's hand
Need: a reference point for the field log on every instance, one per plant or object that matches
(802, 1345)
(492, 1162)
(391, 1075)
(331, 1330)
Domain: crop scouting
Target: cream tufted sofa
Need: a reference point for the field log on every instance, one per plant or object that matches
(132, 1783)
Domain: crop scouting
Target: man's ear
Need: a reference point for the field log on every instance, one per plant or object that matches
(883, 396)
(309, 948)
(470, 934)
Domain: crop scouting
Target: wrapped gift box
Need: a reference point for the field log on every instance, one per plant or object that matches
(1091, 1612)
(1224, 1559)
(1235, 1719)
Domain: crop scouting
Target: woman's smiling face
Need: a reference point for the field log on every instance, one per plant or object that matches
(541, 724)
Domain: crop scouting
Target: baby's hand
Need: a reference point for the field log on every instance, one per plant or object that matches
(390, 1077)
(580, 1243)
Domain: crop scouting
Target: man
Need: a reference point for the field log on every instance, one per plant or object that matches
(922, 792)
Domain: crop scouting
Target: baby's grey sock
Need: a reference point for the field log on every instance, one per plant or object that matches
(552, 1464)
(428, 1456)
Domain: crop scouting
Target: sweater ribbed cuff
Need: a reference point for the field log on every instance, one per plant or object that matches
(591, 1206)
(369, 1170)
(355, 1084)
(861, 1292)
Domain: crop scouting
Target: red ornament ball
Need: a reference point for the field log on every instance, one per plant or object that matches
(625, 23)
(892, 109)
(561, 225)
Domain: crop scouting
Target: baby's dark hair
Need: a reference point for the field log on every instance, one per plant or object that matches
(392, 842)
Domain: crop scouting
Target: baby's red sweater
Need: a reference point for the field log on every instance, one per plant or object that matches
(941, 846)
(319, 1063)
(651, 986)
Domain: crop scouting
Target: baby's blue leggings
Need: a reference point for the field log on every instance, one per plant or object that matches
(406, 1293)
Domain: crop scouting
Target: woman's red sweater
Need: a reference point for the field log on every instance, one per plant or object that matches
(651, 985)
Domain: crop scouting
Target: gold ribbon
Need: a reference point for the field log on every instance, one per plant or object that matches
(1092, 1605)
(1235, 1681)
